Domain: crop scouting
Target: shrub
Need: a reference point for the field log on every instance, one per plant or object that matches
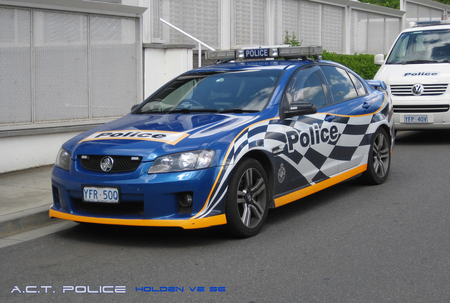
(360, 63)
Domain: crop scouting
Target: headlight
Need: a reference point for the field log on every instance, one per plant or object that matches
(63, 159)
(192, 160)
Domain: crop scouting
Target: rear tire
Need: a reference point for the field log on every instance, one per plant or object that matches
(247, 202)
(379, 161)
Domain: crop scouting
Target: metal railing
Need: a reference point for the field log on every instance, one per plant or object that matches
(200, 43)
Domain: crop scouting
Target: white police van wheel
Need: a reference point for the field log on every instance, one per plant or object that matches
(379, 160)
(247, 201)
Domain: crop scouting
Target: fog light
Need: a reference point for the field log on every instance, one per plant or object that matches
(185, 202)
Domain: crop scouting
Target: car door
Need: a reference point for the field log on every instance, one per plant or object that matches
(352, 108)
(309, 138)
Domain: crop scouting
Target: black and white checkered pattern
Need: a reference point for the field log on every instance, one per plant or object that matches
(314, 162)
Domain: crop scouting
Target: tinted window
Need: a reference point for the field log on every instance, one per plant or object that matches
(340, 84)
(313, 91)
(305, 86)
(359, 86)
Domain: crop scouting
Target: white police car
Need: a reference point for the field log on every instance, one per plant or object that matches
(222, 144)
(417, 74)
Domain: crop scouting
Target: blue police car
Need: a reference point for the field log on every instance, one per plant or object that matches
(222, 144)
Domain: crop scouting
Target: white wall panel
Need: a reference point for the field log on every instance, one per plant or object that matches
(424, 13)
(19, 155)
(436, 14)
(393, 28)
(359, 26)
(162, 65)
(332, 28)
(63, 66)
(15, 66)
(199, 18)
(376, 32)
(412, 12)
(372, 33)
(114, 71)
(291, 17)
(60, 47)
(248, 23)
(310, 23)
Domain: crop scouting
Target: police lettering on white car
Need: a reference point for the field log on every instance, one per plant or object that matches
(221, 144)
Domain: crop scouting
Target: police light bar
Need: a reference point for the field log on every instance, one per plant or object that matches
(221, 55)
(268, 52)
(300, 51)
(428, 23)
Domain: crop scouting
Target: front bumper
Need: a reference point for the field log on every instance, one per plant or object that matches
(434, 121)
(144, 200)
(434, 110)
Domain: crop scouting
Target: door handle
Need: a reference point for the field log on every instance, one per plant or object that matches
(366, 105)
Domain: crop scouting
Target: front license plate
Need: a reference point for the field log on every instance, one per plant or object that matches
(416, 119)
(101, 194)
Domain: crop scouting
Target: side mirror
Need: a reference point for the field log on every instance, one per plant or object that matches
(378, 59)
(290, 109)
(377, 84)
(134, 106)
(300, 109)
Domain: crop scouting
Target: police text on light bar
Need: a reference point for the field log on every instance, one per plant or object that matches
(270, 52)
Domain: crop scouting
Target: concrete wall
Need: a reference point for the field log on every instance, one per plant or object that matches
(162, 64)
(22, 152)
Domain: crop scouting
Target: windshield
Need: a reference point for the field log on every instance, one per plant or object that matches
(421, 46)
(241, 91)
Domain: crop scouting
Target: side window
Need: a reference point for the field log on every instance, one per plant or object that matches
(305, 86)
(313, 91)
(359, 86)
(340, 84)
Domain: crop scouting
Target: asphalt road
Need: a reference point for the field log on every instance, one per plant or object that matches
(349, 243)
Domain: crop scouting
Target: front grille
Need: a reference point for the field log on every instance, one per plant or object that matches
(121, 163)
(428, 89)
(421, 108)
(124, 208)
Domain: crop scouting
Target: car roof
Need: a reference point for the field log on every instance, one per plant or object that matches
(427, 28)
(249, 65)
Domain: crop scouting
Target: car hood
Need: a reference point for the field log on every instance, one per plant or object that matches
(150, 136)
(394, 74)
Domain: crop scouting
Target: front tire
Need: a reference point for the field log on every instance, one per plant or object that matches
(379, 161)
(247, 202)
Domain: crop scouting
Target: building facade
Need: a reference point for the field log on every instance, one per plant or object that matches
(69, 65)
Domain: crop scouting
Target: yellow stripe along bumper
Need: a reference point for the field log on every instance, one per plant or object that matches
(214, 220)
(186, 224)
(319, 186)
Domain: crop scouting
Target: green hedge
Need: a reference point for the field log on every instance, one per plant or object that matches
(360, 63)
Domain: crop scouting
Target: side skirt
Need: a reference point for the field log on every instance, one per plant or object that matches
(296, 195)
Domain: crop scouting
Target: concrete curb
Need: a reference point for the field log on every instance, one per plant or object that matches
(25, 220)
